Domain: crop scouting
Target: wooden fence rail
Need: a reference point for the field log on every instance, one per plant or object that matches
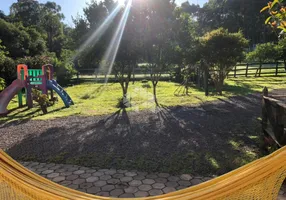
(274, 118)
(258, 69)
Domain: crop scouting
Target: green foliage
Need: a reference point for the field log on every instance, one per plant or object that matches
(265, 52)
(41, 99)
(221, 51)
(277, 17)
(2, 84)
(38, 61)
(64, 71)
(8, 69)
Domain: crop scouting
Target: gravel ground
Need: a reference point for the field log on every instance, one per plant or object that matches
(208, 140)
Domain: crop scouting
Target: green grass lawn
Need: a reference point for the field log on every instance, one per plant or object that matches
(99, 99)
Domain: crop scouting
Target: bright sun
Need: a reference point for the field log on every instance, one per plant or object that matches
(121, 2)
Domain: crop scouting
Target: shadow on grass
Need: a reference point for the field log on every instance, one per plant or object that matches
(212, 139)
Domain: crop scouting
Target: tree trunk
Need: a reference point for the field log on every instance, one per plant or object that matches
(155, 94)
(44, 109)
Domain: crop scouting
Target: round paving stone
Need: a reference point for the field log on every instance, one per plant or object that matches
(127, 195)
(148, 181)
(103, 170)
(163, 175)
(66, 183)
(184, 183)
(78, 181)
(126, 179)
(116, 192)
(99, 183)
(92, 179)
(49, 171)
(81, 190)
(186, 177)
(73, 186)
(50, 165)
(139, 177)
(173, 178)
(131, 174)
(85, 175)
(98, 174)
(110, 172)
(103, 194)
(71, 177)
(141, 194)
(83, 168)
(181, 187)
(42, 169)
(72, 169)
(107, 188)
(93, 190)
(172, 184)
(152, 176)
(90, 171)
(207, 178)
(66, 173)
(53, 175)
(196, 181)
(142, 173)
(158, 186)
(121, 171)
(131, 190)
(105, 177)
(145, 187)
(113, 181)
(117, 175)
(78, 172)
(155, 192)
(161, 180)
(85, 185)
(60, 170)
(59, 179)
(135, 183)
(168, 190)
(55, 167)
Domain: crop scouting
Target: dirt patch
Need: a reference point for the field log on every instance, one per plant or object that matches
(211, 139)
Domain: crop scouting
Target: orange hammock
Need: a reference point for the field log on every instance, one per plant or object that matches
(260, 179)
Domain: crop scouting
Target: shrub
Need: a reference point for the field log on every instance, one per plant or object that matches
(37, 62)
(221, 51)
(2, 84)
(265, 52)
(8, 70)
(64, 72)
(41, 99)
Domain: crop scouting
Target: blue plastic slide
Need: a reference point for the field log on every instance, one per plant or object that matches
(53, 85)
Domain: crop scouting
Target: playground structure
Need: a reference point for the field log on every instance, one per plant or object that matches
(28, 79)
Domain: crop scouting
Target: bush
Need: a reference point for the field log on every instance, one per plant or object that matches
(41, 99)
(64, 72)
(37, 62)
(265, 52)
(8, 70)
(2, 84)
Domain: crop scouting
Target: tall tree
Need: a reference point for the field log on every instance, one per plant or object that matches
(221, 51)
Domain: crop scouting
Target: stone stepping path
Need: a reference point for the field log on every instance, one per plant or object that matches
(117, 183)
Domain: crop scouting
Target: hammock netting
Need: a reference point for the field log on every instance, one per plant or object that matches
(261, 179)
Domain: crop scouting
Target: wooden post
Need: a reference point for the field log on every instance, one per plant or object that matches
(276, 72)
(77, 76)
(260, 67)
(234, 74)
(264, 112)
(206, 82)
(246, 72)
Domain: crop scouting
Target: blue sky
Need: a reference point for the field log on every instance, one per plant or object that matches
(72, 7)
